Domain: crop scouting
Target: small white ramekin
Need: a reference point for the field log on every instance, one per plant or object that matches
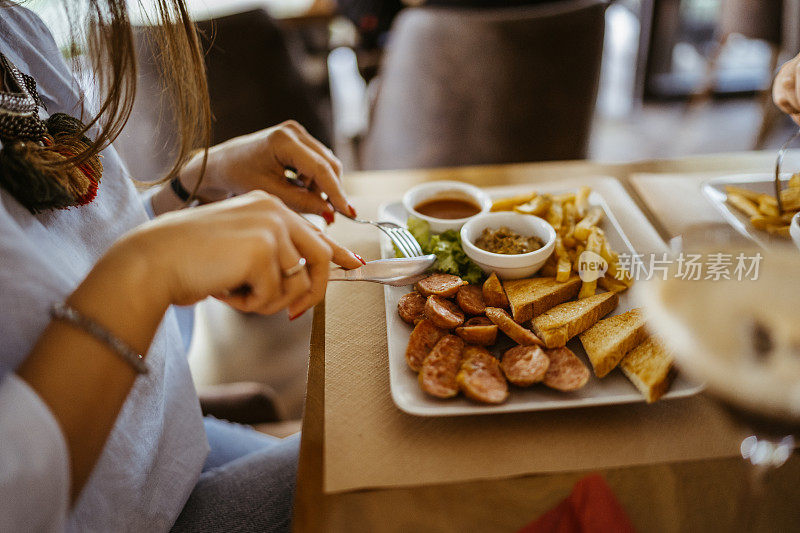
(445, 189)
(509, 266)
(794, 229)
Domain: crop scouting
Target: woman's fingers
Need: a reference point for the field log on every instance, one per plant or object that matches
(304, 200)
(317, 146)
(296, 280)
(311, 164)
(342, 256)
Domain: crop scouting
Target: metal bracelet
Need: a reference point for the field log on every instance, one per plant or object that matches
(61, 311)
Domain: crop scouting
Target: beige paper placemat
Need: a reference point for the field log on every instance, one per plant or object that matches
(370, 443)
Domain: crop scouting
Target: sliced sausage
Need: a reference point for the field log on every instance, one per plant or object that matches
(470, 299)
(411, 307)
(518, 334)
(440, 367)
(445, 285)
(478, 321)
(525, 365)
(482, 335)
(443, 313)
(493, 293)
(421, 342)
(566, 372)
(480, 377)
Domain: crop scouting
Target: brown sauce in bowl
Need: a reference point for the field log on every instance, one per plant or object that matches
(447, 208)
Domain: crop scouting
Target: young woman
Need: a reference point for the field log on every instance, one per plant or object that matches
(100, 427)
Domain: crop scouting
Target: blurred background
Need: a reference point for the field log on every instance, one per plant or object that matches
(383, 80)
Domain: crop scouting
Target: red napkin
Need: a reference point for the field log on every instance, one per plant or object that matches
(590, 507)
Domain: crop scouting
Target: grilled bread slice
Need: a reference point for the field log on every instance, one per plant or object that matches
(649, 367)
(533, 296)
(607, 342)
(559, 324)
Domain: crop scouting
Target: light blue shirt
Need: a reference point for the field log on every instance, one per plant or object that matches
(155, 452)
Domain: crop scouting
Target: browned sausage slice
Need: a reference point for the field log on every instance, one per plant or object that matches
(440, 367)
(470, 299)
(443, 313)
(480, 377)
(493, 293)
(411, 307)
(525, 365)
(518, 334)
(478, 321)
(421, 342)
(445, 285)
(566, 372)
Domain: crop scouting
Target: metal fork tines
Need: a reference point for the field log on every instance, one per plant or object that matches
(400, 236)
(778, 163)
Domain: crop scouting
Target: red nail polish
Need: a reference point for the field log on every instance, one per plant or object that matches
(360, 258)
(328, 216)
(297, 315)
(352, 210)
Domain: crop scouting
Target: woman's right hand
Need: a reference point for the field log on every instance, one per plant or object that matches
(247, 241)
(786, 88)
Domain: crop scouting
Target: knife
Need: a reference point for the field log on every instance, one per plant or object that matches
(398, 272)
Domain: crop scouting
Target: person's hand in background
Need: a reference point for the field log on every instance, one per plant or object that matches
(257, 162)
(786, 88)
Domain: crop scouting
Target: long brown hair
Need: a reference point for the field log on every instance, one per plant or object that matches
(108, 40)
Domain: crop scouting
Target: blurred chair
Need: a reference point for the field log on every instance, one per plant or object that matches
(484, 86)
(253, 83)
(753, 19)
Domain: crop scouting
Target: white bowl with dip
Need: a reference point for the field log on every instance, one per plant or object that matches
(509, 266)
(794, 229)
(446, 204)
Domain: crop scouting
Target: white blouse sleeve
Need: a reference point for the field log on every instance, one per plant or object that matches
(34, 462)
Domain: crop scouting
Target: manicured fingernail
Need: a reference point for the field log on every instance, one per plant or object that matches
(301, 313)
(328, 216)
(360, 258)
(352, 210)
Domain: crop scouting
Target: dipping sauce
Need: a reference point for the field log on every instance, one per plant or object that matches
(505, 241)
(447, 208)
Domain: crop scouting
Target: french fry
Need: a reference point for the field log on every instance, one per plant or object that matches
(555, 215)
(508, 204)
(563, 270)
(743, 204)
(790, 199)
(584, 227)
(761, 221)
(753, 196)
(582, 200)
(593, 244)
(610, 283)
(538, 206)
(794, 181)
(780, 231)
(564, 198)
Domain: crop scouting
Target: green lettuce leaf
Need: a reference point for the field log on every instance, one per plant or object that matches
(450, 256)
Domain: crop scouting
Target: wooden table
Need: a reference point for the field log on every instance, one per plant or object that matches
(697, 496)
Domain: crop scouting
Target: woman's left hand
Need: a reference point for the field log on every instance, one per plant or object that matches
(258, 161)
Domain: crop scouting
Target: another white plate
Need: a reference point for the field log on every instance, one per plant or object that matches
(638, 236)
(714, 190)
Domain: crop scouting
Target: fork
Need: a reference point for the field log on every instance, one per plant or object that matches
(399, 235)
(778, 163)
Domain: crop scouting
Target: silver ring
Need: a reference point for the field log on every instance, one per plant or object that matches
(289, 272)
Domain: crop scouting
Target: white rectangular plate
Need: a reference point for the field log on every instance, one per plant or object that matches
(714, 190)
(620, 212)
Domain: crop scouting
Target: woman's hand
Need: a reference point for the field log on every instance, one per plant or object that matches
(248, 242)
(786, 88)
(257, 162)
